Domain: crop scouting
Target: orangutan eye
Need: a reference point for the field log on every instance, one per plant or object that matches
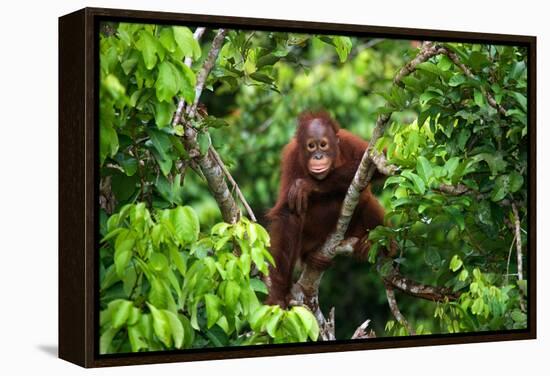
(311, 146)
(324, 145)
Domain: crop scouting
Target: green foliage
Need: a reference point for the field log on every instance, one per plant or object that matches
(483, 305)
(164, 285)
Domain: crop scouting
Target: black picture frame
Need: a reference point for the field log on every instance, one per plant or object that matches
(78, 186)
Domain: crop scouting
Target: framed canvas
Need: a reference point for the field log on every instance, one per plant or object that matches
(236, 187)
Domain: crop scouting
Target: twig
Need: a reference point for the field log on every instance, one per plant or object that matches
(419, 290)
(379, 159)
(234, 183)
(509, 258)
(519, 246)
(455, 190)
(456, 60)
(206, 68)
(362, 333)
(392, 302)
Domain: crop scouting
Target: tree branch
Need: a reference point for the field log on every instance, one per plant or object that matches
(234, 183)
(392, 302)
(419, 290)
(217, 44)
(362, 333)
(519, 246)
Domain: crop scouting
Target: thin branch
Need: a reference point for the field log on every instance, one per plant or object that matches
(362, 333)
(419, 290)
(519, 246)
(217, 44)
(385, 168)
(509, 258)
(392, 302)
(234, 183)
(456, 60)
(455, 190)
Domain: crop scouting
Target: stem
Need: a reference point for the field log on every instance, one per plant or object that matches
(519, 246)
(234, 183)
(392, 302)
(217, 44)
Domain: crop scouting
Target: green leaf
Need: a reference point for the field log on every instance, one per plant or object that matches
(108, 142)
(129, 164)
(166, 38)
(266, 60)
(167, 84)
(455, 264)
(149, 47)
(162, 144)
(213, 304)
(186, 224)
(231, 294)
(418, 183)
(424, 168)
(163, 113)
(479, 99)
(515, 182)
(188, 83)
(444, 63)
(176, 327)
(158, 261)
(428, 66)
(343, 47)
(451, 166)
(189, 333)
(120, 311)
(178, 260)
(308, 321)
(258, 258)
(272, 323)
(293, 326)
(137, 339)
(518, 316)
(204, 142)
(521, 99)
(256, 318)
(161, 325)
(251, 231)
(432, 257)
(106, 339)
(186, 42)
(456, 80)
(258, 285)
(160, 295)
(262, 77)
(123, 251)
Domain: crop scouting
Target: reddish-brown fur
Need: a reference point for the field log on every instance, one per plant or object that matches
(297, 236)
